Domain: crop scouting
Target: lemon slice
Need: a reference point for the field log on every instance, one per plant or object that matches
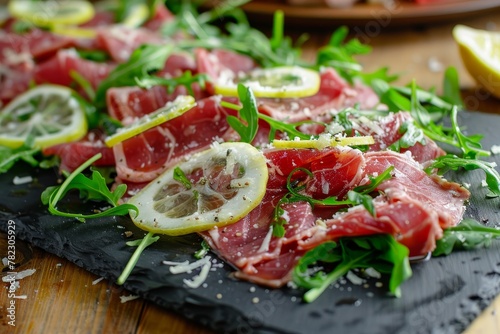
(277, 82)
(51, 114)
(324, 141)
(52, 13)
(225, 183)
(171, 110)
(480, 53)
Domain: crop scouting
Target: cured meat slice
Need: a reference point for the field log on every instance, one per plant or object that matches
(144, 157)
(120, 41)
(75, 153)
(446, 198)
(57, 69)
(217, 63)
(36, 43)
(386, 131)
(413, 207)
(13, 82)
(134, 101)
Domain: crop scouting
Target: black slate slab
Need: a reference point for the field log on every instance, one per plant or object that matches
(444, 295)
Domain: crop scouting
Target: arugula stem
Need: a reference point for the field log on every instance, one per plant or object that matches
(81, 168)
(145, 242)
(312, 294)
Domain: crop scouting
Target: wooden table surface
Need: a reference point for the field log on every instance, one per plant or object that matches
(61, 297)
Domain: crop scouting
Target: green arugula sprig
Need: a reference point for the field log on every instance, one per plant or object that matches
(360, 195)
(452, 162)
(200, 253)
(186, 79)
(94, 188)
(181, 177)
(9, 156)
(249, 114)
(141, 245)
(241, 37)
(411, 135)
(469, 234)
(381, 252)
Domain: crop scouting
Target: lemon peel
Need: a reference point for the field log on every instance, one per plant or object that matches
(170, 111)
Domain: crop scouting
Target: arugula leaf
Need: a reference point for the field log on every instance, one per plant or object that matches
(9, 156)
(186, 79)
(339, 54)
(143, 61)
(451, 87)
(181, 177)
(469, 234)
(381, 252)
(94, 188)
(83, 83)
(471, 146)
(250, 129)
(248, 113)
(141, 244)
(200, 253)
(452, 162)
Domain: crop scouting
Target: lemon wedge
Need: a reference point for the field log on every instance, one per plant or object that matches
(480, 53)
(171, 110)
(220, 186)
(51, 114)
(324, 142)
(276, 82)
(52, 13)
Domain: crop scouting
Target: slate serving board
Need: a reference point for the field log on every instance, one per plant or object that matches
(444, 295)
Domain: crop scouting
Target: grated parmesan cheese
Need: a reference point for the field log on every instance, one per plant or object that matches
(198, 280)
(124, 299)
(19, 275)
(22, 180)
(495, 149)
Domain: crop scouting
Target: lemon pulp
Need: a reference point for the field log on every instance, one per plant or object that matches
(226, 182)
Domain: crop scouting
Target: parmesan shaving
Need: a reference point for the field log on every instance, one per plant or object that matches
(19, 275)
(187, 268)
(94, 282)
(267, 240)
(22, 180)
(198, 280)
(124, 299)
